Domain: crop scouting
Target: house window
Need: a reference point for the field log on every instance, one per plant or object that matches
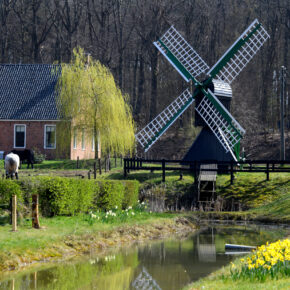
(75, 139)
(50, 137)
(83, 139)
(19, 136)
(93, 142)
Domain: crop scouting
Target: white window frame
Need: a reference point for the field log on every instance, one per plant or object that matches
(83, 140)
(45, 126)
(75, 141)
(24, 125)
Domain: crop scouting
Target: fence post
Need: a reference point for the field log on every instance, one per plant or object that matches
(14, 213)
(100, 166)
(232, 173)
(78, 160)
(163, 170)
(125, 168)
(95, 170)
(267, 172)
(89, 174)
(35, 212)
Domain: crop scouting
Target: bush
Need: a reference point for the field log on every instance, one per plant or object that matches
(7, 189)
(65, 196)
(111, 194)
(70, 196)
(29, 186)
(38, 156)
(131, 194)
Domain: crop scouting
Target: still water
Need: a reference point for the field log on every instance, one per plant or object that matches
(169, 264)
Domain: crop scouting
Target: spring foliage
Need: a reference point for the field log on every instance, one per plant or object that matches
(270, 260)
(91, 100)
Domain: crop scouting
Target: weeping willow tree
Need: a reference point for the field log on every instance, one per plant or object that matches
(90, 100)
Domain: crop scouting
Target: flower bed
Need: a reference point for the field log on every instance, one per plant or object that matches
(269, 261)
(119, 214)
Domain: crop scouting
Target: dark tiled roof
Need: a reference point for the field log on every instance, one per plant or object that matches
(27, 91)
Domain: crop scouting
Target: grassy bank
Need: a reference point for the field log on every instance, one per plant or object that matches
(262, 200)
(67, 236)
(221, 280)
(266, 268)
(267, 201)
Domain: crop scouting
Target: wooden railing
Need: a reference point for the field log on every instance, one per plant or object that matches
(265, 166)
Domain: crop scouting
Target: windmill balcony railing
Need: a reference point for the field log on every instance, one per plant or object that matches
(225, 167)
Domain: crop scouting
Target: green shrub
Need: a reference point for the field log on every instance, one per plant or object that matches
(29, 186)
(131, 194)
(7, 189)
(56, 197)
(70, 196)
(87, 192)
(111, 194)
(65, 196)
(38, 156)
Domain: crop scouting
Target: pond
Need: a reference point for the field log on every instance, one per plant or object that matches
(168, 264)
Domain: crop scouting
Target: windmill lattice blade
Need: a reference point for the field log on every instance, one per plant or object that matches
(158, 126)
(240, 53)
(180, 54)
(219, 119)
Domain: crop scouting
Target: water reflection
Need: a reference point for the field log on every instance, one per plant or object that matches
(170, 264)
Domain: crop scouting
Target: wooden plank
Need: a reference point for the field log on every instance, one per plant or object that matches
(208, 175)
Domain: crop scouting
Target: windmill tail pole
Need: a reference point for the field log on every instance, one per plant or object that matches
(283, 72)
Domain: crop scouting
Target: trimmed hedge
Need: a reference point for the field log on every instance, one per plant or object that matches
(8, 188)
(111, 194)
(65, 196)
(131, 194)
(70, 196)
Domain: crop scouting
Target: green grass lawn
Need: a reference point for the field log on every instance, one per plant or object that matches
(57, 228)
(71, 164)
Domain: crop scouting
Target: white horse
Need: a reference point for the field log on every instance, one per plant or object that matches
(11, 165)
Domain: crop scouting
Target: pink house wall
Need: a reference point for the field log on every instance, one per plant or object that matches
(35, 131)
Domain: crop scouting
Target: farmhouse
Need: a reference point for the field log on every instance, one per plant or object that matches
(29, 117)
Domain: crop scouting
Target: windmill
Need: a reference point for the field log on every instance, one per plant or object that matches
(211, 113)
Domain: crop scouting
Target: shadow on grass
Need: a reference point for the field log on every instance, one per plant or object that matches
(143, 176)
(72, 164)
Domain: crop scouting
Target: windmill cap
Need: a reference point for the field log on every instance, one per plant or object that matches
(222, 88)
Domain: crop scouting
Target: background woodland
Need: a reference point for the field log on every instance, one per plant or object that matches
(119, 33)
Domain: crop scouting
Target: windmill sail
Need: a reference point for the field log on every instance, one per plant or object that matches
(219, 120)
(229, 148)
(180, 54)
(240, 53)
(190, 65)
(157, 127)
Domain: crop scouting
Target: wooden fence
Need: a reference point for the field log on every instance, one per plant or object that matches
(232, 167)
